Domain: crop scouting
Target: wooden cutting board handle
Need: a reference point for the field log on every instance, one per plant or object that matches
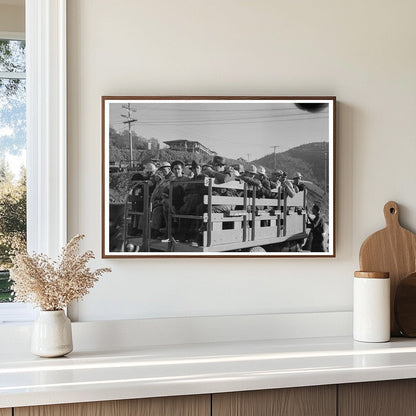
(393, 250)
(391, 214)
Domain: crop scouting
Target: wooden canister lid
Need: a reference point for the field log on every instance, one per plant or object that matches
(372, 275)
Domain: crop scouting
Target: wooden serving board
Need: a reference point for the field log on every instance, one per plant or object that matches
(405, 306)
(393, 250)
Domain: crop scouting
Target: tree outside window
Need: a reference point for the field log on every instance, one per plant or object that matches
(12, 156)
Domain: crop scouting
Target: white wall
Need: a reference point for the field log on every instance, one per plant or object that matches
(361, 51)
(12, 18)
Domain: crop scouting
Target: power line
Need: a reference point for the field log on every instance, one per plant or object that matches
(228, 121)
(162, 107)
(190, 120)
(213, 122)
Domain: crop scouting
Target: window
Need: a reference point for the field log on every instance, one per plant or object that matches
(12, 165)
(12, 154)
(46, 135)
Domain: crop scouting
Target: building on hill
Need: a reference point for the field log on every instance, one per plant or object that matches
(189, 146)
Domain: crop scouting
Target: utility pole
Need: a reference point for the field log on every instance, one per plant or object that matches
(248, 157)
(129, 121)
(274, 150)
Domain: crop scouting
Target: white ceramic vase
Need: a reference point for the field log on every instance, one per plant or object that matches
(52, 334)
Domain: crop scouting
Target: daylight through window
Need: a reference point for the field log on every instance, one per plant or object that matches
(12, 156)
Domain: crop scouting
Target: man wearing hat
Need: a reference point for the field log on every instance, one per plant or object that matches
(261, 171)
(238, 169)
(144, 175)
(297, 182)
(287, 185)
(164, 169)
(219, 171)
(265, 190)
(275, 178)
(149, 169)
(249, 177)
(279, 178)
(221, 174)
(218, 161)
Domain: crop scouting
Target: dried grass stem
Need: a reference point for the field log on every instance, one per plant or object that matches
(53, 285)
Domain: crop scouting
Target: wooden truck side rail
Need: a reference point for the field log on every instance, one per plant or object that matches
(249, 221)
(247, 226)
(134, 214)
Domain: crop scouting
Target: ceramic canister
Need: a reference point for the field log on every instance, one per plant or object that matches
(371, 309)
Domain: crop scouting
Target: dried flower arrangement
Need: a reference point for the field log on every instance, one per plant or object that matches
(53, 285)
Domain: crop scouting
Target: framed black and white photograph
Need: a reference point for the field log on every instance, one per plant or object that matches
(218, 176)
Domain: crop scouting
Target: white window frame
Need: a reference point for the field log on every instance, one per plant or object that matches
(46, 134)
(46, 125)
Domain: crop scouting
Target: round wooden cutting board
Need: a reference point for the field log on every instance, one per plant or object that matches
(405, 306)
(393, 250)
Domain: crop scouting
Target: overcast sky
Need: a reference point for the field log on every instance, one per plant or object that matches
(231, 129)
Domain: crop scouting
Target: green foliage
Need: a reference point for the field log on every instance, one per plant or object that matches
(120, 146)
(12, 59)
(6, 294)
(145, 150)
(12, 213)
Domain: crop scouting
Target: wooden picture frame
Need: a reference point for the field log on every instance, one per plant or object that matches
(231, 188)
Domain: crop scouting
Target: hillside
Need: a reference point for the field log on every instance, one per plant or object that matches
(308, 159)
